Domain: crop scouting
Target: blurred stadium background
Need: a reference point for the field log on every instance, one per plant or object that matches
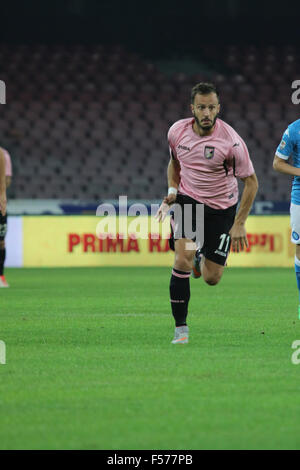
(89, 122)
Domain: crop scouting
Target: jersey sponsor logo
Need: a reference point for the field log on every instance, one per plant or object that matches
(209, 152)
(183, 147)
(282, 144)
(221, 253)
(295, 236)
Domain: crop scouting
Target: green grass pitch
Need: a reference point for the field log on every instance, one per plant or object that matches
(90, 364)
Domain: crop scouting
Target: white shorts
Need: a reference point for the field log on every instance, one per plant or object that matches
(295, 223)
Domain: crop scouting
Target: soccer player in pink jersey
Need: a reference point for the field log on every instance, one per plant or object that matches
(6, 181)
(206, 157)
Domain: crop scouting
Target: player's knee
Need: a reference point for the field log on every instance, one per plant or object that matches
(183, 263)
(212, 279)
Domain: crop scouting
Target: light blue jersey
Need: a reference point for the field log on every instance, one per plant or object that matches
(290, 147)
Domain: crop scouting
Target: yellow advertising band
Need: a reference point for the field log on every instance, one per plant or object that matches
(74, 241)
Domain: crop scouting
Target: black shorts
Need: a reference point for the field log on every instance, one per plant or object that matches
(3, 226)
(217, 223)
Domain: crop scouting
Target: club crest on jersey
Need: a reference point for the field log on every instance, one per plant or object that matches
(282, 145)
(209, 152)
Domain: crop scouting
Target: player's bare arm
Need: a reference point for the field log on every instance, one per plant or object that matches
(280, 165)
(173, 182)
(2, 184)
(238, 231)
(173, 179)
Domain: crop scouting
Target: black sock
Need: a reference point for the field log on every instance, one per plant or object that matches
(180, 295)
(2, 259)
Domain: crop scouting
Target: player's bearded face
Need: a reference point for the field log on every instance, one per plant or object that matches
(205, 110)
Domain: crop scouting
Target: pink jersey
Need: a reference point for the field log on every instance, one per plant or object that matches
(209, 164)
(8, 166)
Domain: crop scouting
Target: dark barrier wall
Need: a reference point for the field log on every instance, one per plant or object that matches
(151, 26)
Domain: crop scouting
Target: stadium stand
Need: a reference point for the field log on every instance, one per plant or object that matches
(90, 122)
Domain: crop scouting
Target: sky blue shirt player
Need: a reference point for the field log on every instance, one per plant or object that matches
(289, 147)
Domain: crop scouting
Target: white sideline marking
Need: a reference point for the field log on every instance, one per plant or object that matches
(136, 314)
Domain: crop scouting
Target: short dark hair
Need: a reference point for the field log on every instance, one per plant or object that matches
(204, 89)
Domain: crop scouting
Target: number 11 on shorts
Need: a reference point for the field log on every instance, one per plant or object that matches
(224, 238)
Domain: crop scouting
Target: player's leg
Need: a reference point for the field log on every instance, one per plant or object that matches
(211, 271)
(297, 271)
(295, 238)
(3, 226)
(185, 248)
(180, 287)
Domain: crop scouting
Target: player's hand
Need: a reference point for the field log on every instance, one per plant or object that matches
(165, 207)
(3, 204)
(238, 237)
